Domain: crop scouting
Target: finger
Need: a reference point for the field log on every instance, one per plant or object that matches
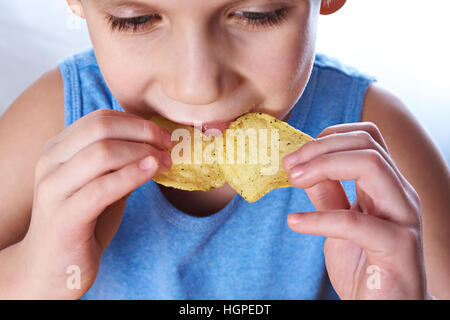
(345, 141)
(108, 223)
(368, 127)
(74, 126)
(354, 140)
(376, 135)
(113, 127)
(328, 195)
(88, 203)
(370, 171)
(368, 232)
(100, 158)
(100, 128)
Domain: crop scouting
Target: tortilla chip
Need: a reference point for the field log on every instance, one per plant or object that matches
(189, 175)
(261, 171)
(248, 156)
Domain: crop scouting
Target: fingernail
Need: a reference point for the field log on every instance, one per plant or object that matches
(294, 218)
(147, 163)
(297, 171)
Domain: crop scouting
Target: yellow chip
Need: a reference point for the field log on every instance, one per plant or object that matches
(248, 156)
(257, 169)
(189, 172)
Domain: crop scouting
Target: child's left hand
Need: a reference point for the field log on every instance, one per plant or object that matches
(373, 248)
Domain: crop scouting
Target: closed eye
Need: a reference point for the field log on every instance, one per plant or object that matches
(135, 24)
(266, 19)
(247, 18)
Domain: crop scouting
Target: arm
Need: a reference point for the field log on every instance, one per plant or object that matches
(423, 166)
(50, 214)
(36, 116)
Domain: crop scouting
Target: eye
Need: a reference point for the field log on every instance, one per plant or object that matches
(266, 19)
(134, 24)
(248, 18)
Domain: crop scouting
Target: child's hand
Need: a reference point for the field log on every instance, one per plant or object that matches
(373, 248)
(82, 182)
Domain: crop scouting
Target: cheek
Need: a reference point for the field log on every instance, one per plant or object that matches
(124, 75)
(122, 67)
(281, 74)
(281, 69)
(284, 65)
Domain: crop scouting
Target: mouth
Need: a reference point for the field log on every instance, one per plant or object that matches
(213, 128)
(216, 127)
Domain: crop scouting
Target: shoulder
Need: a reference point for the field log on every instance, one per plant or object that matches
(411, 148)
(330, 64)
(40, 106)
(399, 127)
(85, 89)
(36, 116)
(80, 60)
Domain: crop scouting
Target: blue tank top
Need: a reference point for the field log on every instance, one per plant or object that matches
(244, 251)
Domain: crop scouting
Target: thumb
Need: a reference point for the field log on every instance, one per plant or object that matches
(109, 221)
(328, 195)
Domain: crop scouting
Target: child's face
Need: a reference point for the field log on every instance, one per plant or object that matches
(209, 61)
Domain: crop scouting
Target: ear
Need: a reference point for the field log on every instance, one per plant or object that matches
(76, 7)
(331, 6)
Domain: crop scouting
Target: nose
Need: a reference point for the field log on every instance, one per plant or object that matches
(196, 70)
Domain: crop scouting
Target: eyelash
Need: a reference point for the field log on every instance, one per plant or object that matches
(252, 19)
(134, 24)
(262, 19)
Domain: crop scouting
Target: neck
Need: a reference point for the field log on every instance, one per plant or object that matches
(199, 203)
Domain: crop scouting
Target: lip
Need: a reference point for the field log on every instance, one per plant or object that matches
(241, 97)
(215, 124)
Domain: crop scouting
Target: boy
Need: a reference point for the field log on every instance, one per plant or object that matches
(211, 62)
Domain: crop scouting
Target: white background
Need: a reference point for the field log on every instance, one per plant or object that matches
(403, 43)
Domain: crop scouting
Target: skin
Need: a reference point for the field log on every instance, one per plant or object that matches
(204, 67)
(186, 80)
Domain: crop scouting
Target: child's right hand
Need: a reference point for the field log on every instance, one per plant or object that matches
(82, 182)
